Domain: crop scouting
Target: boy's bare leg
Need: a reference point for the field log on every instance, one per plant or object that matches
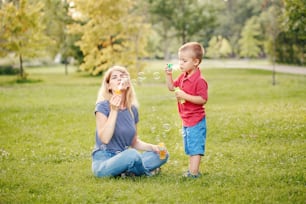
(194, 164)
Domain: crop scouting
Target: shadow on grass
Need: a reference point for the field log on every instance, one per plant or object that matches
(27, 81)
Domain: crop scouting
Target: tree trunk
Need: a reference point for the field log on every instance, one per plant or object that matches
(184, 37)
(166, 49)
(273, 72)
(22, 75)
(66, 67)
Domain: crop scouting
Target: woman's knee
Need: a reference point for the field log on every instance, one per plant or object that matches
(119, 163)
(131, 155)
(96, 170)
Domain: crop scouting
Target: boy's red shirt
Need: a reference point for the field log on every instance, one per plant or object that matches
(194, 85)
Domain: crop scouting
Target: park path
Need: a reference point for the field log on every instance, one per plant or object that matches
(264, 66)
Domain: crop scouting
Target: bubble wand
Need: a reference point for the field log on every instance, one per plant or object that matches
(118, 91)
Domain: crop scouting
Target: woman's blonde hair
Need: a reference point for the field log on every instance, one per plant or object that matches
(106, 94)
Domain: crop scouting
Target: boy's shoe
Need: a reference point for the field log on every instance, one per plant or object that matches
(187, 174)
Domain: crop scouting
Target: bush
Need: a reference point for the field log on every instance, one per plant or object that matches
(8, 70)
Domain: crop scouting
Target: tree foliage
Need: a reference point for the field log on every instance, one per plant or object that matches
(112, 33)
(218, 47)
(271, 24)
(232, 16)
(295, 16)
(186, 20)
(249, 42)
(160, 15)
(22, 31)
(123, 31)
(56, 19)
(290, 45)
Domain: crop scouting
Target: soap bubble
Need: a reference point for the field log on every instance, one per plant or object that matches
(134, 82)
(164, 135)
(176, 67)
(153, 128)
(156, 75)
(141, 76)
(177, 146)
(166, 127)
(175, 162)
(157, 138)
(153, 109)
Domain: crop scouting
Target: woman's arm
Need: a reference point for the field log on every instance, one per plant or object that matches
(143, 146)
(106, 125)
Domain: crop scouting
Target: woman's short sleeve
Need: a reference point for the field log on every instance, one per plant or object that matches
(103, 107)
(135, 114)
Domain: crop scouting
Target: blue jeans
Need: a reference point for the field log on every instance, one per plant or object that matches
(109, 164)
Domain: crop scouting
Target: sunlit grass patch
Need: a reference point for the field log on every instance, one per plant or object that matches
(255, 149)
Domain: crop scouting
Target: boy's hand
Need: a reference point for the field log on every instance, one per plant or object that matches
(168, 70)
(179, 94)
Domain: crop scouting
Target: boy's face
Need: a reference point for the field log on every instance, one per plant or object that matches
(187, 61)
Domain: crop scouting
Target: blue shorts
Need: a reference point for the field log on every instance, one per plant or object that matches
(194, 138)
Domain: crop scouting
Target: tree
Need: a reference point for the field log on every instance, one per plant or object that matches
(291, 42)
(218, 47)
(272, 27)
(249, 43)
(189, 17)
(57, 19)
(231, 18)
(225, 49)
(294, 13)
(21, 31)
(112, 33)
(212, 50)
(161, 12)
(186, 20)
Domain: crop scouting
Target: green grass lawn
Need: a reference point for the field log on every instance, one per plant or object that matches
(255, 150)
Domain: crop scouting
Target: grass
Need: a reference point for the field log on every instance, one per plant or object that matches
(255, 149)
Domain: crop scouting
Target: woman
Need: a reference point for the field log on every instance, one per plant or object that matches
(117, 142)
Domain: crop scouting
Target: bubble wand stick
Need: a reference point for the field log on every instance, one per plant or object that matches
(118, 91)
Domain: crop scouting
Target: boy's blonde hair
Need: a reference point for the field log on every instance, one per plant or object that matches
(196, 48)
(106, 94)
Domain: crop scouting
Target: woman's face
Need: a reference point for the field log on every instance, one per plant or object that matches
(118, 81)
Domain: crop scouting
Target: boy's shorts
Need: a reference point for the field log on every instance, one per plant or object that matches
(194, 138)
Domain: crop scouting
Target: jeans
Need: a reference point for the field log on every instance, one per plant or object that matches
(130, 160)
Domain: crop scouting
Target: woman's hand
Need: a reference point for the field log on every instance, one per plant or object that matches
(143, 146)
(115, 102)
(155, 148)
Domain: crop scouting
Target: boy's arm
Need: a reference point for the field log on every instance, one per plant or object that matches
(169, 79)
(193, 99)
